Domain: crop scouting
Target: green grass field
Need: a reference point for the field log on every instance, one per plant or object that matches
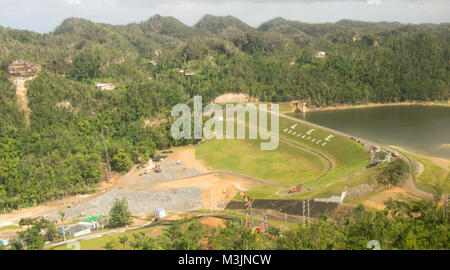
(287, 163)
(348, 156)
(284, 165)
(9, 227)
(432, 174)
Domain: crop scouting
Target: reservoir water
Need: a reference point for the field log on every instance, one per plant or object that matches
(420, 129)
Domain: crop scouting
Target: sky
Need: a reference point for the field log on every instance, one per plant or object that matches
(45, 15)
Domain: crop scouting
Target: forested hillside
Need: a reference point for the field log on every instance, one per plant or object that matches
(72, 122)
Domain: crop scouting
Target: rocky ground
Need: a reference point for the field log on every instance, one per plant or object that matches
(359, 190)
(180, 199)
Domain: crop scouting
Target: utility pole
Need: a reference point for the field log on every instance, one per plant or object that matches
(308, 213)
(285, 220)
(246, 220)
(303, 216)
(265, 218)
(251, 211)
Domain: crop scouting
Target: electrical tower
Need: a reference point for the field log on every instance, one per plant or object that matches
(303, 216)
(308, 213)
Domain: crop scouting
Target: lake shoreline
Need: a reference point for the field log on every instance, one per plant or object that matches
(386, 124)
(438, 161)
(370, 105)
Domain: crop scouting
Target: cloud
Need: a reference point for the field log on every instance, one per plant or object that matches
(73, 2)
(374, 2)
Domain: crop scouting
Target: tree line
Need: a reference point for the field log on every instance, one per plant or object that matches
(63, 150)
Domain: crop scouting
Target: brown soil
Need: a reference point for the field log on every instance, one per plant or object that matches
(61, 204)
(377, 201)
(187, 156)
(223, 187)
(234, 98)
(22, 97)
(213, 222)
(441, 162)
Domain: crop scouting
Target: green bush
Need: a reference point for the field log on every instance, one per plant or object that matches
(119, 214)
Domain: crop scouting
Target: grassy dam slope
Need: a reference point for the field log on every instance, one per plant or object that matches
(319, 158)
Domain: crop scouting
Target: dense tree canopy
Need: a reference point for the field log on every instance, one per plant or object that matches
(402, 225)
(72, 124)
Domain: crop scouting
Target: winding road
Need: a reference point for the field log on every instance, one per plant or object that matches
(409, 184)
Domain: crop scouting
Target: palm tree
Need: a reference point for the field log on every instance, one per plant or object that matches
(109, 245)
(123, 240)
(62, 214)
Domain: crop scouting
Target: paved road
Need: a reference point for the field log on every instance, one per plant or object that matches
(123, 230)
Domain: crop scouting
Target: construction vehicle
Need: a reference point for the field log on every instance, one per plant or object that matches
(260, 229)
(73, 203)
(148, 169)
(157, 169)
(297, 188)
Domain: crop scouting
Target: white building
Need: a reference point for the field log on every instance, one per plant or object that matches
(160, 213)
(4, 242)
(75, 230)
(320, 54)
(91, 224)
(105, 86)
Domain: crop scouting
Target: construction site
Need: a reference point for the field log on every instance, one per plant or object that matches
(221, 180)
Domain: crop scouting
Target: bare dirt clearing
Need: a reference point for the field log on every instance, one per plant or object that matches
(441, 162)
(213, 222)
(222, 188)
(187, 155)
(234, 98)
(377, 201)
(21, 94)
(179, 187)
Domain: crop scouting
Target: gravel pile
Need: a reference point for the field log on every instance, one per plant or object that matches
(359, 190)
(139, 202)
(169, 171)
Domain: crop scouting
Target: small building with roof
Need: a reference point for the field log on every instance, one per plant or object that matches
(4, 242)
(105, 86)
(76, 230)
(160, 213)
